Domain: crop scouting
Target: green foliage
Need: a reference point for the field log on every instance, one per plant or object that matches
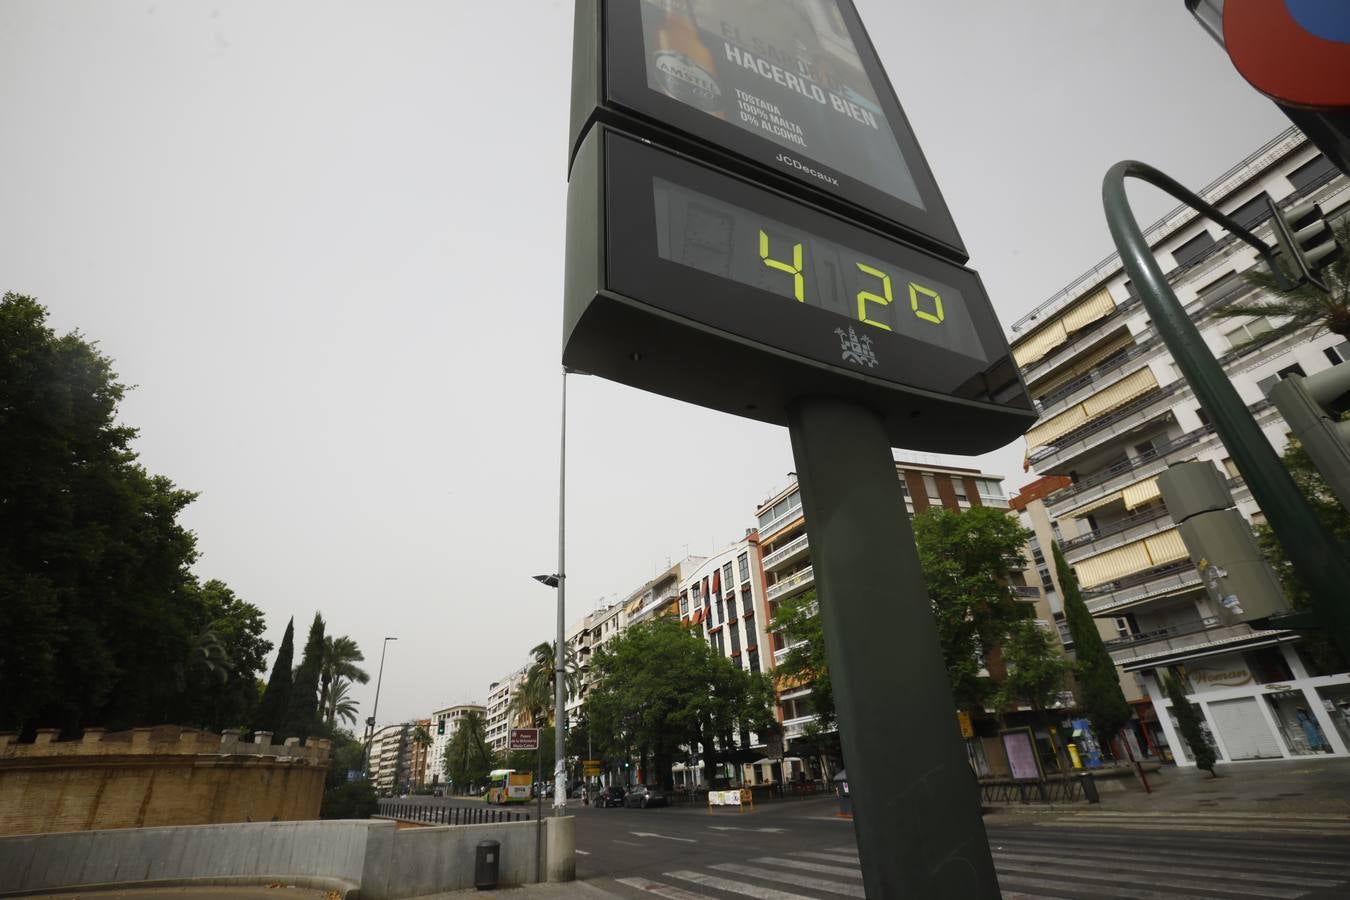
(276, 699)
(1188, 721)
(967, 558)
(1317, 645)
(533, 701)
(1036, 669)
(798, 620)
(468, 756)
(1305, 305)
(659, 686)
(339, 669)
(302, 715)
(343, 799)
(1099, 687)
(101, 620)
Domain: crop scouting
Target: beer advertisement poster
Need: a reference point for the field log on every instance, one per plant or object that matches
(785, 70)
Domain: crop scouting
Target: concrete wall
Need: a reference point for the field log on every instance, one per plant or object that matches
(156, 776)
(374, 857)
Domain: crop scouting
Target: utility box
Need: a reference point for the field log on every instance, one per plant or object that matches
(1240, 583)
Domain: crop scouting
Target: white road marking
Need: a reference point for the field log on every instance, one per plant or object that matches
(583, 853)
(835, 857)
(734, 887)
(1067, 862)
(739, 828)
(1006, 880)
(1272, 864)
(627, 843)
(664, 837)
(1083, 880)
(661, 890)
(809, 866)
(815, 884)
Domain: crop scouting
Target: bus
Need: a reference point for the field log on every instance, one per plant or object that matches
(508, 786)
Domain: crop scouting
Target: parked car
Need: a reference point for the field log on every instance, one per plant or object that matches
(610, 796)
(644, 795)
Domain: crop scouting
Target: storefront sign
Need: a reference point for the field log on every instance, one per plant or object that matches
(1215, 678)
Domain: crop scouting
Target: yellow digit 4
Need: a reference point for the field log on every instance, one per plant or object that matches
(866, 297)
(793, 268)
(917, 290)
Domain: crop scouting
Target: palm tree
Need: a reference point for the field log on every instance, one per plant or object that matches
(340, 658)
(208, 653)
(533, 701)
(468, 758)
(1305, 305)
(340, 705)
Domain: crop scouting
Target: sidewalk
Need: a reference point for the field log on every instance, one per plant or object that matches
(1309, 786)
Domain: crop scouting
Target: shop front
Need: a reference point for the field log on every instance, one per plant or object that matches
(1261, 698)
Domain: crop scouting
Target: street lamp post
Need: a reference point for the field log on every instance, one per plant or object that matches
(375, 709)
(558, 580)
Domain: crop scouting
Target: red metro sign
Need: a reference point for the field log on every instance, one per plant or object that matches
(1294, 51)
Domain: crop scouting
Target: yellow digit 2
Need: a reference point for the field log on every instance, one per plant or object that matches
(793, 268)
(918, 290)
(866, 297)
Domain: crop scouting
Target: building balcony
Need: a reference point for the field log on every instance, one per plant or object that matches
(1121, 420)
(1135, 650)
(1094, 379)
(1106, 482)
(1131, 528)
(1026, 592)
(793, 584)
(780, 523)
(795, 728)
(794, 549)
(1077, 344)
(1133, 590)
(780, 655)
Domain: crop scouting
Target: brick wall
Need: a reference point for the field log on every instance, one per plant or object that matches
(156, 776)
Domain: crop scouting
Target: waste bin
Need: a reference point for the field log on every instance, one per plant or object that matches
(841, 790)
(485, 865)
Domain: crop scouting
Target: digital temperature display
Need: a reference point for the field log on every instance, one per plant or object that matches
(688, 281)
(722, 239)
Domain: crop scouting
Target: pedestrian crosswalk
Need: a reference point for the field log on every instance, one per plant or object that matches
(1274, 861)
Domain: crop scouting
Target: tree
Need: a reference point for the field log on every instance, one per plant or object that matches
(98, 604)
(341, 707)
(1189, 724)
(1305, 305)
(1316, 645)
(340, 658)
(533, 701)
(220, 676)
(797, 619)
(967, 559)
(659, 687)
(468, 756)
(276, 698)
(1098, 685)
(1036, 669)
(302, 716)
(343, 798)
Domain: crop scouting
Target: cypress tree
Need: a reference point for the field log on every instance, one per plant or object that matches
(271, 712)
(302, 717)
(1099, 687)
(1189, 723)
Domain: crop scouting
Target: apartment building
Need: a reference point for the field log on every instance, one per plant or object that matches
(596, 630)
(390, 758)
(1115, 412)
(442, 727)
(498, 710)
(723, 600)
(786, 557)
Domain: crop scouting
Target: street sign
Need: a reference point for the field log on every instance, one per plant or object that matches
(524, 739)
(963, 719)
(690, 282)
(792, 90)
(591, 767)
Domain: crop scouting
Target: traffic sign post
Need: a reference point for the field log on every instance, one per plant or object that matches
(752, 228)
(528, 739)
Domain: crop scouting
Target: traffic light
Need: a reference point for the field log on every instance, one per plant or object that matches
(1306, 238)
(1312, 408)
(1239, 581)
(440, 727)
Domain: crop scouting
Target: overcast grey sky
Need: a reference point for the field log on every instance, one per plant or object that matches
(324, 239)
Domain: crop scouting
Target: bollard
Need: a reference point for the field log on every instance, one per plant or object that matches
(486, 863)
(1090, 788)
